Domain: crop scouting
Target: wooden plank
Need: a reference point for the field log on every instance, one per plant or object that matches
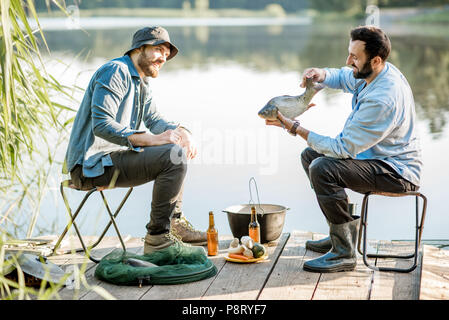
(289, 281)
(395, 285)
(244, 281)
(350, 285)
(72, 243)
(435, 274)
(193, 290)
(42, 246)
(280, 277)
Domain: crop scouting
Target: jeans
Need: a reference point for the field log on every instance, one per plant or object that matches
(136, 168)
(330, 176)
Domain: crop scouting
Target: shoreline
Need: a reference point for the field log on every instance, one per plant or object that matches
(409, 15)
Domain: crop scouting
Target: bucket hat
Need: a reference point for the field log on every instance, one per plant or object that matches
(152, 36)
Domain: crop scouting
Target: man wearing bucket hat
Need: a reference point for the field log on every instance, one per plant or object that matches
(108, 146)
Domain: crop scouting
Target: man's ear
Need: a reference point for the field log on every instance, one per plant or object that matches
(376, 61)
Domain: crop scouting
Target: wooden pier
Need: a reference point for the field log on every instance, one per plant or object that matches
(279, 277)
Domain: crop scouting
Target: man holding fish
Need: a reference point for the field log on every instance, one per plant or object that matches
(107, 145)
(377, 150)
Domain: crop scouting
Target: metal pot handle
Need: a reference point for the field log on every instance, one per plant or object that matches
(251, 201)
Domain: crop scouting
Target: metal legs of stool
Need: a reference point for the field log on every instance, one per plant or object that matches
(73, 217)
(419, 229)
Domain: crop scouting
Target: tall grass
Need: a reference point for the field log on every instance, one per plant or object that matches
(32, 124)
(17, 290)
(28, 110)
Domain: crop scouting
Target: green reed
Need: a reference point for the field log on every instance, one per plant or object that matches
(33, 123)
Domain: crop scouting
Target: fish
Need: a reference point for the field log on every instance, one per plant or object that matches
(290, 106)
(139, 263)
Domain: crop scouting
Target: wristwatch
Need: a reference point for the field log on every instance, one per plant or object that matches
(292, 130)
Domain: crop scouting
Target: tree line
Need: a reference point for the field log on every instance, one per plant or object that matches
(288, 5)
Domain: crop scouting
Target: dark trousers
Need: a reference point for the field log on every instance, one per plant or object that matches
(136, 168)
(330, 176)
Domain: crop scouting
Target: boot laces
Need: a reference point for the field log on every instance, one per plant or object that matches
(182, 220)
(175, 236)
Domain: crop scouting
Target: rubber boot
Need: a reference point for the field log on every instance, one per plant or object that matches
(321, 246)
(342, 256)
(325, 244)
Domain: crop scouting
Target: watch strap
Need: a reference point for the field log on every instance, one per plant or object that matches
(294, 127)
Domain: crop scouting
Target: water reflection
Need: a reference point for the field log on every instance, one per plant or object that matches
(216, 85)
(424, 60)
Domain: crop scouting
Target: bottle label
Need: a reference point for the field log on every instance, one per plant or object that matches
(212, 243)
(254, 234)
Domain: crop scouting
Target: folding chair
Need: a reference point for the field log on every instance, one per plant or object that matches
(419, 229)
(69, 184)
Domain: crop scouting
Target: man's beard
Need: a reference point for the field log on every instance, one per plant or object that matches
(146, 66)
(365, 72)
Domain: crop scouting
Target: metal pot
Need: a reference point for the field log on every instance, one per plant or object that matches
(271, 218)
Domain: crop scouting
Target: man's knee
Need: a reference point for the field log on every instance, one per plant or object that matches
(320, 168)
(169, 157)
(306, 155)
(177, 158)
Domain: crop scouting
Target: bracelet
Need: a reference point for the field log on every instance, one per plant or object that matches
(292, 130)
(182, 127)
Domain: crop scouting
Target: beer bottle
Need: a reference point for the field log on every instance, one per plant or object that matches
(212, 236)
(254, 226)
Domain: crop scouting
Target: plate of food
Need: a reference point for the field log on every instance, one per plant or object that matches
(240, 258)
(246, 250)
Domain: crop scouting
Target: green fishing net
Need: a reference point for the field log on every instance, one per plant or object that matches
(175, 264)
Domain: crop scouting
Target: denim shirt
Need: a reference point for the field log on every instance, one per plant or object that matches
(115, 103)
(382, 124)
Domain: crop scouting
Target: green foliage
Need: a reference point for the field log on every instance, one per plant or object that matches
(433, 17)
(411, 3)
(337, 5)
(287, 5)
(27, 109)
(29, 117)
(14, 286)
(31, 109)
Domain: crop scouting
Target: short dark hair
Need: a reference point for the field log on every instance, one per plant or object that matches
(376, 41)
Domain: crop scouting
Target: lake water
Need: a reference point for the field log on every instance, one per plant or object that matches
(223, 74)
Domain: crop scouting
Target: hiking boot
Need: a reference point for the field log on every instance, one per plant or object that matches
(161, 241)
(183, 229)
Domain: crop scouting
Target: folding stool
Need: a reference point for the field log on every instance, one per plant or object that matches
(69, 184)
(419, 229)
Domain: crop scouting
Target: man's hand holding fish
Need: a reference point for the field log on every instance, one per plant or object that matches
(287, 123)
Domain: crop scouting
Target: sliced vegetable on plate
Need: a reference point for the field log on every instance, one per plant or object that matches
(246, 250)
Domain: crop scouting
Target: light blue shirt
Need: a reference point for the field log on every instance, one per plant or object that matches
(382, 124)
(115, 103)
